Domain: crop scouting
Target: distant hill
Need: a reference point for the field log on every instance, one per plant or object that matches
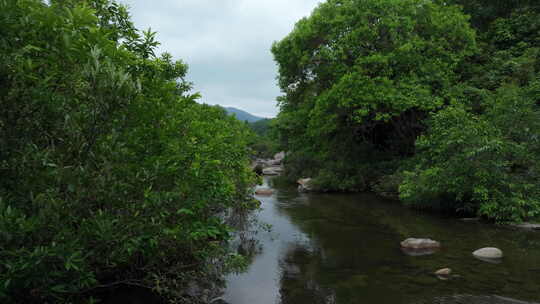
(242, 115)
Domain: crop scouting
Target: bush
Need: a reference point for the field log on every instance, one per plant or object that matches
(111, 173)
(487, 163)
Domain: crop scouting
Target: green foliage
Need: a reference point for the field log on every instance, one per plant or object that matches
(483, 157)
(484, 12)
(362, 75)
(111, 172)
(262, 127)
(264, 143)
(488, 164)
(388, 185)
(364, 79)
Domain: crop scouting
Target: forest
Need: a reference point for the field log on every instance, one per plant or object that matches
(112, 173)
(434, 103)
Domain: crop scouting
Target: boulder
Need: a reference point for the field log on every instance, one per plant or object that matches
(414, 243)
(264, 191)
(304, 185)
(488, 253)
(279, 156)
(419, 247)
(263, 163)
(272, 170)
(273, 162)
(443, 272)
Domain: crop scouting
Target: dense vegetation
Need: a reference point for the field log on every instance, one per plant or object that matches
(111, 173)
(434, 101)
(264, 143)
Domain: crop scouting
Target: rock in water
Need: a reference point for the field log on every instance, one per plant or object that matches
(272, 170)
(279, 156)
(414, 243)
(488, 253)
(304, 184)
(264, 191)
(443, 272)
(418, 247)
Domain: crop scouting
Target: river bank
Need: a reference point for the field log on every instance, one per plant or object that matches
(386, 187)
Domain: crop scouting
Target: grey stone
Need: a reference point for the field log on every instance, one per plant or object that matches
(488, 253)
(443, 272)
(415, 243)
(304, 185)
(280, 156)
(272, 170)
(419, 247)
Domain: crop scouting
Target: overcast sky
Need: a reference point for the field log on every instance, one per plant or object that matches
(226, 44)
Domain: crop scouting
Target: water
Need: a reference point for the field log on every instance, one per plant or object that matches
(343, 248)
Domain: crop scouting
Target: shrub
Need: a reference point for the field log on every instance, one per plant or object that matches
(487, 163)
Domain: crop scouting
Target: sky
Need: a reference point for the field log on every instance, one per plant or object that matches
(226, 44)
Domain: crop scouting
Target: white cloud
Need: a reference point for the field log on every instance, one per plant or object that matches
(226, 44)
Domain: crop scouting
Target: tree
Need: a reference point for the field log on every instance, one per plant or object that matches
(484, 164)
(483, 157)
(359, 77)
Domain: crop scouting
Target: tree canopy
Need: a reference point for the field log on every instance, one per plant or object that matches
(372, 88)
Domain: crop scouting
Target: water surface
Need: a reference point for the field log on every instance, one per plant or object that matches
(344, 248)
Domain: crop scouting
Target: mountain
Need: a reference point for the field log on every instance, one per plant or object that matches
(242, 115)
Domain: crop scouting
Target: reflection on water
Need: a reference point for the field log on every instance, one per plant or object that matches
(337, 248)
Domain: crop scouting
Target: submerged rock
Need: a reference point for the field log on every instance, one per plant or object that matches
(419, 247)
(414, 243)
(418, 252)
(528, 226)
(264, 191)
(490, 253)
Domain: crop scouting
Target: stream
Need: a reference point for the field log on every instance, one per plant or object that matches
(345, 248)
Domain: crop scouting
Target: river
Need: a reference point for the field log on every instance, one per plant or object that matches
(344, 248)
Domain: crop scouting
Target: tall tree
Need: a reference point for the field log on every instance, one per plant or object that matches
(359, 77)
